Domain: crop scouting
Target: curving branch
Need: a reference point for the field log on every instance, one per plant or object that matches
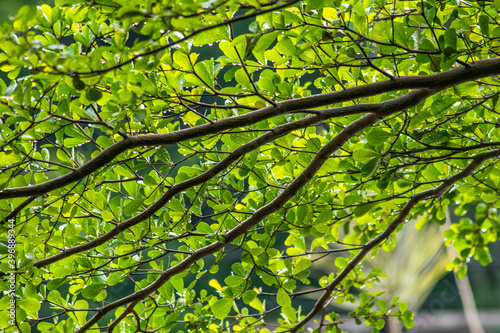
(439, 81)
(416, 198)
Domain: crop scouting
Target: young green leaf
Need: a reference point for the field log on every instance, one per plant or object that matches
(282, 298)
(222, 307)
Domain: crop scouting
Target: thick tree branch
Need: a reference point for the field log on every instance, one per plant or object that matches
(437, 81)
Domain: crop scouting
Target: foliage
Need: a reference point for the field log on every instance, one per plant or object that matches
(417, 272)
(412, 274)
(129, 157)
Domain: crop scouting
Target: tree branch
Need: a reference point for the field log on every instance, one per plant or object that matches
(416, 198)
(439, 81)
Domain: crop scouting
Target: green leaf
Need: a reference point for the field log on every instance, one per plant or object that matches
(73, 142)
(148, 86)
(205, 71)
(450, 37)
(94, 95)
(377, 136)
(436, 64)
(324, 217)
(91, 291)
(229, 75)
(129, 12)
(115, 277)
(462, 271)
(55, 297)
(57, 282)
(340, 262)
(285, 46)
(140, 115)
(9, 158)
(222, 307)
(380, 324)
(362, 155)
(315, 4)
(124, 172)
(25, 327)
(107, 216)
(403, 306)
(382, 305)
(266, 84)
(176, 205)
(301, 265)
(78, 83)
(265, 41)
(302, 214)
(211, 36)
(183, 60)
(171, 321)
(408, 319)
(163, 155)
(150, 181)
(370, 167)
(133, 206)
(426, 45)
(30, 305)
(484, 24)
(282, 298)
(178, 283)
(483, 255)
(249, 296)
(81, 315)
(235, 49)
(242, 78)
(234, 281)
(238, 269)
(363, 209)
(124, 95)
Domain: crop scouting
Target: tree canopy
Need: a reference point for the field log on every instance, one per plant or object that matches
(205, 155)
